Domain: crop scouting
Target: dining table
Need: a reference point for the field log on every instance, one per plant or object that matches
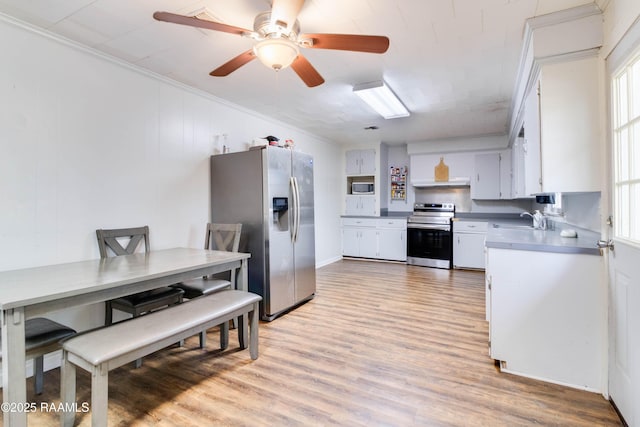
(36, 291)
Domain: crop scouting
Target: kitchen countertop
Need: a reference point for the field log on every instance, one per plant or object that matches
(485, 216)
(508, 234)
(511, 233)
(395, 215)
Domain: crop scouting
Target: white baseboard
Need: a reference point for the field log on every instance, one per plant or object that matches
(328, 261)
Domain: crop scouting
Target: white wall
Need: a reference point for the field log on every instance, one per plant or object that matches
(453, 145)
(619, 15)
(398, 157)
(88, 142)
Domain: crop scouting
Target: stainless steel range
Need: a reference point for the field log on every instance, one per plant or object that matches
(429, 235)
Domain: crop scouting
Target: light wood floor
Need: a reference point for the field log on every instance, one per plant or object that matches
(381, 344)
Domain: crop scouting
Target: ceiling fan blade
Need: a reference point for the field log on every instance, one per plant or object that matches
(199, 23)
(286, 11)
(352, 42)
(306, 72)
(232, 65)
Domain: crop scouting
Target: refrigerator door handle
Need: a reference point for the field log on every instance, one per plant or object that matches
(294, 207)
(296, 214)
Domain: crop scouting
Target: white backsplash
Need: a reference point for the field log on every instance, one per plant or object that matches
(461, 197)
(583, 210)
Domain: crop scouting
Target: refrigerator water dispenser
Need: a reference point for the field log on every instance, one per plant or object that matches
(281, 213)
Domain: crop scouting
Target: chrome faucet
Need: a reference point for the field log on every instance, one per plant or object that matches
(526, 213)
(539, 220)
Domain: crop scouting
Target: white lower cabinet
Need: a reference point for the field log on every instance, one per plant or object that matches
(547, 319)
(468, 244)
(378, 238)
(359, 242)
(392, 239)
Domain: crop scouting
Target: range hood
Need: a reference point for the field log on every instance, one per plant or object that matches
(452, 182)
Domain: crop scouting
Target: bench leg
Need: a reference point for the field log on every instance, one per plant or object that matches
(67, 390)
(108, 313)
(253, 320)
(99, 396)
(38, 374)
(224, 335)
(138, 362)
(242, 331)
(203, 339)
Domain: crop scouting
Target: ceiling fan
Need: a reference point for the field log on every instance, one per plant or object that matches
(279, 40)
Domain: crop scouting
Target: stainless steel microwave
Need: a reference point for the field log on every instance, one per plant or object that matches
(362, 188)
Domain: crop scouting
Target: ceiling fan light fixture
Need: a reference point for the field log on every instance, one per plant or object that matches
(381, 98)
(276, 53)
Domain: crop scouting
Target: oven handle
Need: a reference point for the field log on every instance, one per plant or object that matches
(428, 226)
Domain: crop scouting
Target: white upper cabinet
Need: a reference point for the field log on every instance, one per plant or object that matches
(570, 126)
(530, 173)
(422, 168)
(360, 167)
(486, 181)
(559, 122)
(517, 168)
(360, 162)
(562, 130)
(506, 175)
(361, 206)
(492, 178)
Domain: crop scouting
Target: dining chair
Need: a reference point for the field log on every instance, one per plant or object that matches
(125, 241)
(42, 336)
(221, 237)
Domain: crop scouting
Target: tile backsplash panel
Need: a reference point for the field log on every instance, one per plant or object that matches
(583, 210)
(461, 197)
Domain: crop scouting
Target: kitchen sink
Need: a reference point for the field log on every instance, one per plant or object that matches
(513, 226)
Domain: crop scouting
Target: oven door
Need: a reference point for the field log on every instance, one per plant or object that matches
(429, 245)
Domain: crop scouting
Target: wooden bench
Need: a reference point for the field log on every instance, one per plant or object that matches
(101, 350)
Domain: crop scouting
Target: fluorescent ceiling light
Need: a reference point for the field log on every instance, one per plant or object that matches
(382, 99)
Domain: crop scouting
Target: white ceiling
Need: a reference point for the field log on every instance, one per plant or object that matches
(452, 62)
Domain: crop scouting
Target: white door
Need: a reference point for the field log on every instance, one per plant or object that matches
(624, 270)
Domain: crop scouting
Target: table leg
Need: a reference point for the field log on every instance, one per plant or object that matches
(243, 285)
(243, 276)
(14, 385)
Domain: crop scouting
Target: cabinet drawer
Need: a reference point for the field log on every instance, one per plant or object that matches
(392, 223)
(359, 222)
(470, 226)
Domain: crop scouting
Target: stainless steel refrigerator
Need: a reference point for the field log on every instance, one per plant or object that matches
(270, 191)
